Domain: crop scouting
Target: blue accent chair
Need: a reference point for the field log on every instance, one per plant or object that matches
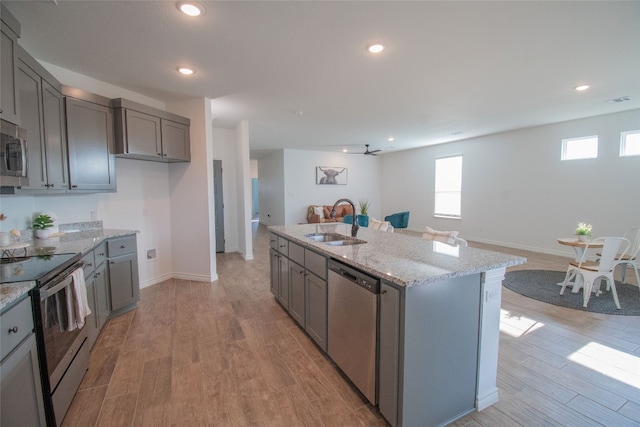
(398, 220)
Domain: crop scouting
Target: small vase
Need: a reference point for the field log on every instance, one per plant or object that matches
(582, 237)
(43, 233)
(363, 220)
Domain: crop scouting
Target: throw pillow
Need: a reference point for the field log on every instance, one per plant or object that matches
(317, 210)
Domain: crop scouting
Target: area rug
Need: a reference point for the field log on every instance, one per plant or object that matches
(542, 285)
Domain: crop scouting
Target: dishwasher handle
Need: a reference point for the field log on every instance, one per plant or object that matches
(364, 281)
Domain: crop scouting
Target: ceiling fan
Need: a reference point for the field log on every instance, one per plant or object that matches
(369, 153)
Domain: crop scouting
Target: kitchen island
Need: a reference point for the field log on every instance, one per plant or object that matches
(438, 315)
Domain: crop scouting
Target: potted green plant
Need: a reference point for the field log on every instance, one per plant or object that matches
(42, 223)
(583, 231)
(363, 217)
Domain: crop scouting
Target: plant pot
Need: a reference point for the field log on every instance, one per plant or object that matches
(582, 237)
(43, 234)
(363, 220)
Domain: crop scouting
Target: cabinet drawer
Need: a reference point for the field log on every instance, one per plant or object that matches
(121, 246)
(17, 324)
(315, 263)
(100, 252)
(296, 253)
(273, 241)
(283, 246)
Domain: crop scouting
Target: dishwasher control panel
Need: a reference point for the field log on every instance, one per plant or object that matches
(355, 276)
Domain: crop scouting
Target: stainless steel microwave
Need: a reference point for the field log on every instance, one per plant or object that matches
(13, 155)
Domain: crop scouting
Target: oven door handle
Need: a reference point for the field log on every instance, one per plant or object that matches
(46, 293)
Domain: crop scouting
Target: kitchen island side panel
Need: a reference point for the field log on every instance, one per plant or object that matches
(440, 358)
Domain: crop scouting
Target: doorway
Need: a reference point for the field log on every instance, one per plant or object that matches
(218, 204)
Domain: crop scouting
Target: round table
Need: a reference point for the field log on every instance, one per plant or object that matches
(578, 247)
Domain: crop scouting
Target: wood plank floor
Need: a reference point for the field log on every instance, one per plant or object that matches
(226, 354)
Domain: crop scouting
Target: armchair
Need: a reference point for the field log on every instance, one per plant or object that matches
(398, 220)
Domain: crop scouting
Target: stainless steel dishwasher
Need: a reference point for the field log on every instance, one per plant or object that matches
(352, 325)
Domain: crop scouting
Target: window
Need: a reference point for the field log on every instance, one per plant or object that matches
(630, 143)
(580, 148)
(448, 191)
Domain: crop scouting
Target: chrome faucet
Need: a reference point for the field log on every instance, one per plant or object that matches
(355, 226)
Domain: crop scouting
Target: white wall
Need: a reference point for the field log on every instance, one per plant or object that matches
(224, 150)
(191, 192)
(271, 188)
(517, 192)
(287, 181)
(301, 190)
(243, 177)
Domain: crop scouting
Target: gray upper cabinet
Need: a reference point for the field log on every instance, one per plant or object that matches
(42, 115)
(175, 141)
(9, 34)
(90, 142)
(145, 133)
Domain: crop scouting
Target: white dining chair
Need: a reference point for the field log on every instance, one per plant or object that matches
(376, 224)
(601, 269)
(449, 237)
(631, 258)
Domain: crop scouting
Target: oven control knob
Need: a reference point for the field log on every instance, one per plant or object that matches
(14, 330)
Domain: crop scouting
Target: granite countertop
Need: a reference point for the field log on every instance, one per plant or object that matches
(404, 260)
(69, 241)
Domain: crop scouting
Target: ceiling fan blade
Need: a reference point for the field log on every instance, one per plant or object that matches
(374, 151)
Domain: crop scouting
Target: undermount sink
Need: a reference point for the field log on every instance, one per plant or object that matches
(334, 239)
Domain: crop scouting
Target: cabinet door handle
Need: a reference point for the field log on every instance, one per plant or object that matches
(13, 330)
(383, 292)
(101, 254)
(113, 262)
(73, 186)
(122, 247)
(89, 264)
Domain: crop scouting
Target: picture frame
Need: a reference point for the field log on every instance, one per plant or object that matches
(331, 175)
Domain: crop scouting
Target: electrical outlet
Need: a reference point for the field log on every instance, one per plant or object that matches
(151, 254)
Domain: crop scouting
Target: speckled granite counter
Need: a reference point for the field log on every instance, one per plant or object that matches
(404, 260)
(72, 240)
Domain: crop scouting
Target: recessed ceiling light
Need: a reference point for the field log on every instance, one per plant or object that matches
(190, 8)
(375, 47)
(390, 139)
(186, 71)
(581, 87)
(345, 150)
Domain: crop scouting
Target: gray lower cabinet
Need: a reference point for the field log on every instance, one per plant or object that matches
(101, 288)
(388, 362)
(43, 116)
(95, 272)
(283, 280)
(22, 398)
(274, 284)
(316, 309)
(90, 142)
(297, 292)
(298, 281)
(124, 283)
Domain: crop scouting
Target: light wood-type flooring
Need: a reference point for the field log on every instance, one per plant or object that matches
(226, 354)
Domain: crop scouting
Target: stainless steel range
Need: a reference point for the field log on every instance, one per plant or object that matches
(62, 351)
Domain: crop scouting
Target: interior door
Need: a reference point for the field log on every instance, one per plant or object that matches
(218, 204)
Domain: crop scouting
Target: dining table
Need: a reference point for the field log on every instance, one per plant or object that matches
(579, 247)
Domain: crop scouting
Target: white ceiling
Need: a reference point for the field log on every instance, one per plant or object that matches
(299, 72)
